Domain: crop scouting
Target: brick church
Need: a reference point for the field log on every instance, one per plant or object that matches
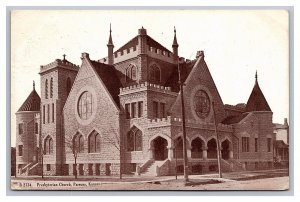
(123, 112)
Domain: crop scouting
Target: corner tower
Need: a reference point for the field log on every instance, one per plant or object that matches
(56, 82)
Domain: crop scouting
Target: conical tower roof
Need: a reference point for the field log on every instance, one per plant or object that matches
(32, 103)
(257, 100)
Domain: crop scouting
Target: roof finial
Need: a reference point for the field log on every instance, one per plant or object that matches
(110, 27)
(64, 55)
(33, 85)
(174, 30)
(256, 76)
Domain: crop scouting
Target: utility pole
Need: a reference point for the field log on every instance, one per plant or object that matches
(185, 162)
(218, 142)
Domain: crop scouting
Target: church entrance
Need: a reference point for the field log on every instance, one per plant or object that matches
(160, 149)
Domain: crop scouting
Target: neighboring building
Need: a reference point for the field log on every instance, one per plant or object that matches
(281, 144)
(13, 161)
(125, 111)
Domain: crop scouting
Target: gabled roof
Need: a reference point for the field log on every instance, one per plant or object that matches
(280, 144)
(257, 100)
(185, 69)
(108, 75)
(150, 42)
(32, 103)
(234, 119)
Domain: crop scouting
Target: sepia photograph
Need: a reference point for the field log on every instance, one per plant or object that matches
(150, 99)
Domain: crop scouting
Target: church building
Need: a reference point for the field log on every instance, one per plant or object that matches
(123, 113)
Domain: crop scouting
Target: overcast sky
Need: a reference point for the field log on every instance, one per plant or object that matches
(236, 43)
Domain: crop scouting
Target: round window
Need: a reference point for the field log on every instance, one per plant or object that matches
(201, 104)
(85, 105)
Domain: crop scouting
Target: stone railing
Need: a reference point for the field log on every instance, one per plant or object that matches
(146, 86)
(58, 62)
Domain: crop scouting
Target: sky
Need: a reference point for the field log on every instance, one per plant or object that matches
(236, 44)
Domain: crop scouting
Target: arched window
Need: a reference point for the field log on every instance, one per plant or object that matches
(78, 144)
(68, 85)
(85, 105)
(48, 146)
(94, 142)
(46, 89)
(154, 73)
(51, 87)
(131, 72)
(134, 140)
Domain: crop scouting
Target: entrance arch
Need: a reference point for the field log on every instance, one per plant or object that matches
(225, 149)
(160, 148)
(197, 145)
(212, 149)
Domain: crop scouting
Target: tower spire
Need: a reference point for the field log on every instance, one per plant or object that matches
(110, 48)
(110, 42)
(175, 47)
(175, 44)
(33, 85)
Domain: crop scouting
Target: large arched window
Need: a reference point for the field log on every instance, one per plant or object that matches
(68, 85)
(131, 73)
(134, 140)
(46, 89)
(78, 144)
(85, 105)
(94, 142)
(51, 87)
(154, 73)
(48, 146)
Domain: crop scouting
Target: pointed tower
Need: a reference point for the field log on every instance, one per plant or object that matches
(257, 100)
(110, 48)
(27, 135)
(175, 47)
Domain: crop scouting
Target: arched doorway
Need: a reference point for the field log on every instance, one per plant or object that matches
(196, 148)
(178, 152)
(212, 149)
(225, 149)
(160, 148)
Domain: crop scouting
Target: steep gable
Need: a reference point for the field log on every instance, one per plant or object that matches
(199, 80)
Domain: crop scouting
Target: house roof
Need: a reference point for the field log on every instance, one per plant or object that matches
(32, 103)
(257, 100)
(108, 75)
(234, 119)
(185, 69)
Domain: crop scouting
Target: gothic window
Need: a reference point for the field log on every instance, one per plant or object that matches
(78, 144)
(131, 72)
(46, 89)
(155, 109)
(154, 73)
(68, 85)
(269, 144)
(20, 128)
(256, 144)
(245, 144)
(51, 87)
(36, 128)
(85, 104)
(140, 109)
(134, 140)
(48, 145)
(94, 142)
(20, 150)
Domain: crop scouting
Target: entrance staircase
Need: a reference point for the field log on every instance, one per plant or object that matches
(231, 165)
(155, 168)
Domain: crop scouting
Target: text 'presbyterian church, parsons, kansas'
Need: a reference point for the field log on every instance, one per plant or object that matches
(125, 110)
